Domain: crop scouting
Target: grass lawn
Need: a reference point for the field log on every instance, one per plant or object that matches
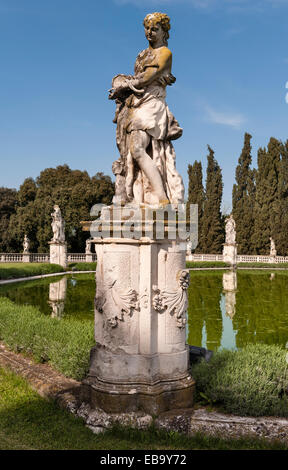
(206, 264)
(17, 270)
(30, 422)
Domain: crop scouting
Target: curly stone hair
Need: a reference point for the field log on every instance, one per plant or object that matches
(158, 18)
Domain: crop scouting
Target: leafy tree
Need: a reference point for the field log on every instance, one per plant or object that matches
(73, 190)
(8, 202)
(243, 199)
(196, 196)
(212, 236)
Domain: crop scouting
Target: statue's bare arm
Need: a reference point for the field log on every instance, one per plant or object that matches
(154, 70)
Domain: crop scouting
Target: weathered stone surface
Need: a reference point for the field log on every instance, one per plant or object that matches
(58, 253)
(140, 360)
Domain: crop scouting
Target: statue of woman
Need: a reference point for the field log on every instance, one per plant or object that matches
(230, 229)
(145, 172)
(26, 244)
(58, 225)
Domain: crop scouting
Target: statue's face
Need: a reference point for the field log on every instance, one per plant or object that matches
(154, 32)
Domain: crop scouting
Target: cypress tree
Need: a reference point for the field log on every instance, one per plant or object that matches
(196, 195)
(243, 198)
(280, 206)
(212, 236)
(266, 196)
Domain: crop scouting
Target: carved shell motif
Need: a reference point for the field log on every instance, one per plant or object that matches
(174, 302)
(115, 303)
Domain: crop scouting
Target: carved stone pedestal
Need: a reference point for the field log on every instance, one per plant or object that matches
(230, 253)
(58, 253)
(140, 361)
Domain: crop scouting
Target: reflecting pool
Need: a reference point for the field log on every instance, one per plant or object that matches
(226, 309)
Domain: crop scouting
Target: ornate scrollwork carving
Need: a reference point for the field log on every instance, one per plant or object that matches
(115, 303)
(174, 302)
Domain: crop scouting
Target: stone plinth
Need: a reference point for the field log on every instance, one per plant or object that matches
(230, 253)
(89, 257)
(140, 360)
(58, 253)
(26, 258)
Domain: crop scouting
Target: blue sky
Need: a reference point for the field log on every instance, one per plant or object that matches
(58, 57)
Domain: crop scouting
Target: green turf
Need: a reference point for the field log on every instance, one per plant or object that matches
(30, 422)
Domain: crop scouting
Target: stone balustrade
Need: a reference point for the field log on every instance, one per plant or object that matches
(43, 257)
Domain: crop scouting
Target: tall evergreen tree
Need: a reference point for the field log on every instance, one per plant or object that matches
(280, 206)
(266, 196)
(243, 199)
(212, 236)
(196, 195)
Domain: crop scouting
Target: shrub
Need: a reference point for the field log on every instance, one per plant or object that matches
(64, 343)
(251, 381)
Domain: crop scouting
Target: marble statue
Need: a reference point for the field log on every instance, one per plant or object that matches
(26, 244)
(230, 229)
(140, 360)
(273, 251)
(88, 247)
(146, 172)
(58, 226)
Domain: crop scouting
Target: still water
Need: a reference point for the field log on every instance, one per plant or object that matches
(226, 309)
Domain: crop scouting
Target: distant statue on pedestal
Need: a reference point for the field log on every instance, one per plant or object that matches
(230, 246)
(58, 226)
(58, 246)
(26, 245)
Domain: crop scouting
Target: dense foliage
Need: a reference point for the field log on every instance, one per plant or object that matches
(252, 381)
(196, 195)
(259, 200)
(212, 227)
(73, 190)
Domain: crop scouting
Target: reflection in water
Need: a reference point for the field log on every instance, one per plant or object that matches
(229, 287)
(79, 302)
(57, 296)
(253, 309)
(223, 311)
(205, 322)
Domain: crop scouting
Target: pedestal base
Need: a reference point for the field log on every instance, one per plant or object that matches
(230, 253)
(152, 399)
(26, 258)
(89, 257)
(58, 253)
(140, 361)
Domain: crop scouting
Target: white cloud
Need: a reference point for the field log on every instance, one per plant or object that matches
(234, 120)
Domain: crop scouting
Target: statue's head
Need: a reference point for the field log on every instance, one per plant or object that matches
(158, 19)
